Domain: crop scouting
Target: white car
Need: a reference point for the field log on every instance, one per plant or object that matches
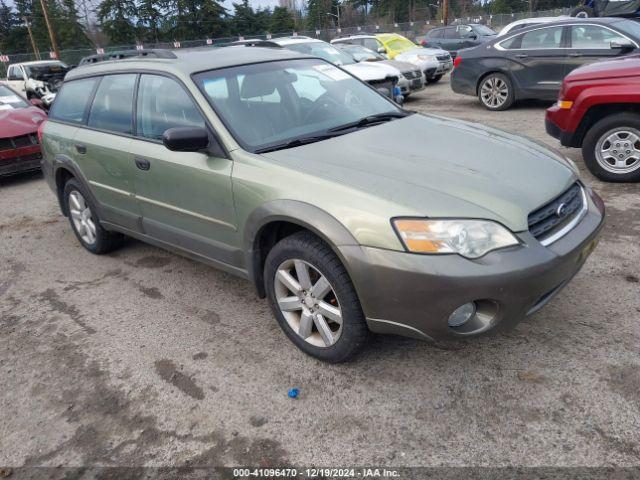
(381, 77)
(433, 62)
(40, 79)
(528, 22)
(412, 79)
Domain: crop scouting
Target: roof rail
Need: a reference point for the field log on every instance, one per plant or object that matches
(254, 43)
(122, 54)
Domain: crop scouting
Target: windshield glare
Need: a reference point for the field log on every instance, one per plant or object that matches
(9, 100)
(272, 103)
(629, 27)
(483, 30)
(323, 50)
(362, 54)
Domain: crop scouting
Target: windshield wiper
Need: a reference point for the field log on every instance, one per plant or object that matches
(296, 142)
(370, 120)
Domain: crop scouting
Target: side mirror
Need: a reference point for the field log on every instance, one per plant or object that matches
(36, 102)
(622, 45)
(186, 139)
(473, 36)
(382, 50)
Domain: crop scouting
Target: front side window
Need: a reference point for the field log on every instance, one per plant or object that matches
(483, 30)
(593, 37)
(543, 38)
(112, 107)
(72, 100)
(372, 44)
(450, 32)
(10, 100)
(464, 31)
(164, 104)
(435, 33)
(271, 103)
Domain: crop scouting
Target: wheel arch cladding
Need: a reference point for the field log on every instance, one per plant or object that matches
(62, 176)
(275, 220)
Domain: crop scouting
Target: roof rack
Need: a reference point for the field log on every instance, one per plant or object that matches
(254, 43)
(122, 54)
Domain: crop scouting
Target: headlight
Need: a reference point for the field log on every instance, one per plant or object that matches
(469, 238)
(427, 58)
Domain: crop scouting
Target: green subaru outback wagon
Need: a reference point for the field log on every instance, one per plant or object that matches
(348, 213)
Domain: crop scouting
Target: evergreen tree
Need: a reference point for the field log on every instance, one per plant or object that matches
(282, 20)
(116, 19)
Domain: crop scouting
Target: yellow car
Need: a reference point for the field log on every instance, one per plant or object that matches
(395, 44)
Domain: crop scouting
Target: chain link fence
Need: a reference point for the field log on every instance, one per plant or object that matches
(410, 30)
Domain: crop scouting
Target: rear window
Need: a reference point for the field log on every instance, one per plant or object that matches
(72, 100)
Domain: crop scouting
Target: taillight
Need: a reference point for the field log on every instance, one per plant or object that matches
(457, 61)
(40, 128)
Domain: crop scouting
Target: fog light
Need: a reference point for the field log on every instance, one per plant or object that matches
(462, 314)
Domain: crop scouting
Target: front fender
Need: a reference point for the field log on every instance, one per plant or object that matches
(299, 213)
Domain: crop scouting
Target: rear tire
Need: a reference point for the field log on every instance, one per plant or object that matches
(435, 79)
(611, 148)
(324, 322)
(496, 92)
(582, 12)
(84, 220)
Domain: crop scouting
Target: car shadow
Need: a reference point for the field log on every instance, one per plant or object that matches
(18, 179)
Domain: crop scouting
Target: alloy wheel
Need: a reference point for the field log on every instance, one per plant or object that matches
(494, 92)
(82, 218)
(308, 302)
(618, 150)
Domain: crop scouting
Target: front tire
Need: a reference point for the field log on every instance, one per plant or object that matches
(611, 148)
(313, 299)
(84, 220)
(435, 79)
(582, 12)
(496, 92)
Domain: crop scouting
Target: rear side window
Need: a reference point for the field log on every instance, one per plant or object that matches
(72, 100)
(112, 107)
(543, 38)
(163, 104)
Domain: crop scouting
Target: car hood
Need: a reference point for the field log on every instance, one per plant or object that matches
(628, 66)
(368, 71)
(23, 121)
(437, 167)
(399, 66)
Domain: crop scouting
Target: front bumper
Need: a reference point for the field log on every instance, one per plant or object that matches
(567, 138)
(20, 160)
(444, 67)
(413, 295)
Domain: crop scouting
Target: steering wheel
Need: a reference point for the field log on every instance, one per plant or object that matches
(323, 102)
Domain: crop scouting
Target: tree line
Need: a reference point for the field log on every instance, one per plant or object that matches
(100, 23)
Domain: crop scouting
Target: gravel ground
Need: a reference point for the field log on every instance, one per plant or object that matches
(143, 357)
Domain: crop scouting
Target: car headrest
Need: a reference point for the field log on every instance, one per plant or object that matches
(258, 85)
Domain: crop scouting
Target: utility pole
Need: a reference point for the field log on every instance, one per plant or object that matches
(445, 12)
(36, 52)
(52, 36)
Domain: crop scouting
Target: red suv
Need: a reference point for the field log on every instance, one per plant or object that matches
(599, 110)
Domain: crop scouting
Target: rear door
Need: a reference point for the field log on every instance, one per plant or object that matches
(185, 197)
(537, 59)
(102, 149)
(589, 43)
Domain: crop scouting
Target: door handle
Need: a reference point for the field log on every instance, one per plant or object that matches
(142, 163)
(82, 149)
(522, 55)
(575, 55)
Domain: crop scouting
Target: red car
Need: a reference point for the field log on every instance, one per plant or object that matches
(599, 110)
(19, 121)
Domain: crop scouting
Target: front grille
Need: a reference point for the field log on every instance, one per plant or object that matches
(412, 74)
(18, 142)
(557, 214)
(444, 57)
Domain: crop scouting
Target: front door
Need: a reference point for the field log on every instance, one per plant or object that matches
(185, 197)
(537, 62)
(590, 43)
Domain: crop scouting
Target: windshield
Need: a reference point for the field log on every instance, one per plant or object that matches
(361, 54)
(400, 44)
(323, 50)
(629, 27)
(272, 103)
(10, 100)
(484, 30)
(46, 69)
